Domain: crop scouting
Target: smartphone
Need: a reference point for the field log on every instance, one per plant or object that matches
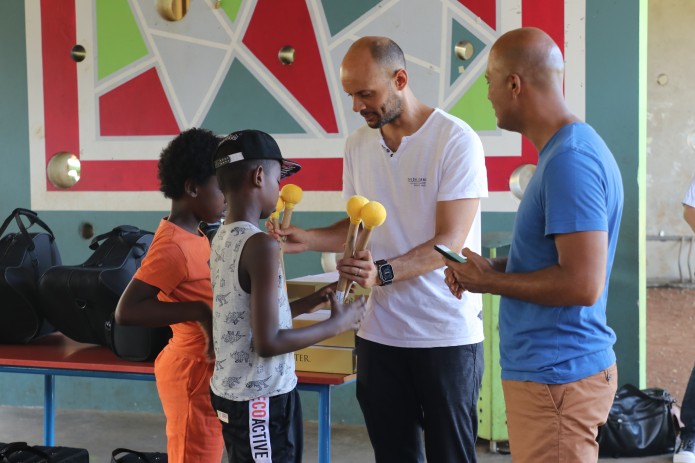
(449, 254)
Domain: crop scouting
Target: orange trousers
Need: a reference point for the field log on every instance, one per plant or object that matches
(194, 433)
(558, 423)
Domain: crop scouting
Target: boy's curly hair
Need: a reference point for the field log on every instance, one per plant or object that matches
(188, 156)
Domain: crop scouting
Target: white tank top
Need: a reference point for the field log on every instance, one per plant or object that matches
(240, 373)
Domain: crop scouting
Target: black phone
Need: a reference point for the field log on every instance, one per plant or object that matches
(449, 254)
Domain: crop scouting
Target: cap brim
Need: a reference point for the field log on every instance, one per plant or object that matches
(288, 168)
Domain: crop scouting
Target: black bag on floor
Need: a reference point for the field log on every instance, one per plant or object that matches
(132, 456)
(80, 300)
(20, 452)
(640, 423)
(24, 257)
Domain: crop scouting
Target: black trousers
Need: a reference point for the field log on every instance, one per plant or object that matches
(404, 392)
(244, 438)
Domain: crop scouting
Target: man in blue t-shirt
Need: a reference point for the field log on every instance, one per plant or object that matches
(558, 365)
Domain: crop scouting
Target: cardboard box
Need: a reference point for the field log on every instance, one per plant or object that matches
(345, 339)
(303, 286)
(325, 359)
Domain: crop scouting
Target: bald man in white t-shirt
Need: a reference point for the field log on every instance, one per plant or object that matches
(420, 351)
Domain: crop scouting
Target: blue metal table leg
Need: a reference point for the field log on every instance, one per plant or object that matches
(324, 424)
(49, 411)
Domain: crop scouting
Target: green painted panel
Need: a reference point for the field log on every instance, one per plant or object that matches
(474, 107)
(243, 103)
(461, 34)
(615, 92)
(341, 14)
(231, 8)
(119, 41)
(492, 419)
(14, 114)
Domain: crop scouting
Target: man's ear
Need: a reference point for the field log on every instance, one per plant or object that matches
(190, 188)
(514, 84)
(400, 79)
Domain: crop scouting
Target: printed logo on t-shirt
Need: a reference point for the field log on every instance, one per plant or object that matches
(417, 181)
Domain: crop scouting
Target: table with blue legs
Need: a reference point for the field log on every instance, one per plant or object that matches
(56, 355)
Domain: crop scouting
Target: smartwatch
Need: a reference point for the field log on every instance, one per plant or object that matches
(385, 272)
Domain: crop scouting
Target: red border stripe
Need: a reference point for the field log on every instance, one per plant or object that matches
(61, 115)
(325, 174)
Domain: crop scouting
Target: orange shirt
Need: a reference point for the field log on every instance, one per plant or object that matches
(177, 263)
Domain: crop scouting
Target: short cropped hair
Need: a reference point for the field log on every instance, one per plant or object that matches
(388, 55)
(188, 156)
(231, 176)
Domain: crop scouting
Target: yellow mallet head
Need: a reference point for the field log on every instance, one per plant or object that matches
(291, 194)
(373, 214)
(354, 206)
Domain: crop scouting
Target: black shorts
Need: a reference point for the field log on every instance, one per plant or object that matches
(265, 430)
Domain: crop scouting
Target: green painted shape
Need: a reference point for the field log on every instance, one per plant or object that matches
(340, 14)
(242, 103)
(492, 419)
(616, 45)
(119, 41)
(474, 107)
(14, 112)
(231, 8)
(459, 34)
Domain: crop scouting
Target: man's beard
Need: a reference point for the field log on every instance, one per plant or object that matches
(389, 115)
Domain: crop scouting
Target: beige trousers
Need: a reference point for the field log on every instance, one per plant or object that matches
(558, 423)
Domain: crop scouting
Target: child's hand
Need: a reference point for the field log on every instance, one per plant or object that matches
(349, 315)
(324, 293)
(294, 238)
(206, 326)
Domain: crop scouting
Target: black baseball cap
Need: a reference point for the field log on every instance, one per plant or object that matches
(252, 144)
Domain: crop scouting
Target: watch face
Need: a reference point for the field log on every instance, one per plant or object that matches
(386, 273)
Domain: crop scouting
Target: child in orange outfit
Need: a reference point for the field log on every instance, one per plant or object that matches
(172, 287)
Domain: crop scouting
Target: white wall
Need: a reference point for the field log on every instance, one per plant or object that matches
(670, 121)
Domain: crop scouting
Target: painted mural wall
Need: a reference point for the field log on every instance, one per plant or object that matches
(143, 79)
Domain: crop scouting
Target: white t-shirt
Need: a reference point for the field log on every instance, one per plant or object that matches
(442, 161)
(240, 373)
(689, 198)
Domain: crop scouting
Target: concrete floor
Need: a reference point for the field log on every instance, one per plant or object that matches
(101, 432)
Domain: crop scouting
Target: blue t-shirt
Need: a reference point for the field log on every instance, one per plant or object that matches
(576, 187)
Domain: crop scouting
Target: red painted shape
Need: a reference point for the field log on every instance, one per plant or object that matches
(61, 113)
(486, 10)
(118, 176)
(548, 15)
(277, 24)
(319, 174)
(138, 107)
